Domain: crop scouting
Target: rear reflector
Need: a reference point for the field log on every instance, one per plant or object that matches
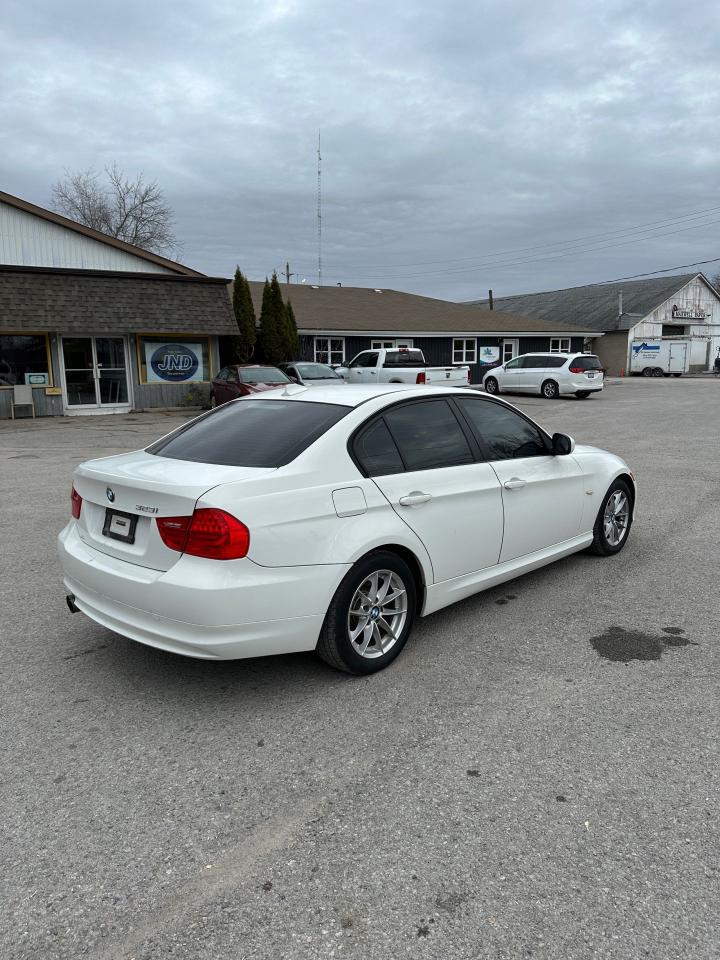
(75, 503)
(209, 533)
(420, 378)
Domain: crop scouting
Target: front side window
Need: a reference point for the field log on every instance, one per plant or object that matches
(464, 351)
(514, 364)
(24, 358)
(367, 359)
(329, 350)
(251, 433)
(223, 374)
(505, 434)
(560, 345)
(428, 435)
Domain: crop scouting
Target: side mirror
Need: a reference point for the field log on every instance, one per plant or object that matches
(562, 445)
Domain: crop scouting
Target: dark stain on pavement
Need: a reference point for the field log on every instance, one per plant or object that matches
(84, 653)
(503, 600)
(621, 646)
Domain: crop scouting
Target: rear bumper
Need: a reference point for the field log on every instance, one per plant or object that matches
(586, 386)
(201, 608)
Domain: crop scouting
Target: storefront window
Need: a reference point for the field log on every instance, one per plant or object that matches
(24, 358)
(173, 359)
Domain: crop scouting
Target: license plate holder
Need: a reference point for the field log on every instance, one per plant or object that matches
(591, 376)
(119, 526)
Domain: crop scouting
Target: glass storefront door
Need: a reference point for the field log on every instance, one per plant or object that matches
(95, 371)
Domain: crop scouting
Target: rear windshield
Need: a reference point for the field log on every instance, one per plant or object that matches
(251, 433)
(404, 358)
(316, 371)
(262, 375)
(586, 363)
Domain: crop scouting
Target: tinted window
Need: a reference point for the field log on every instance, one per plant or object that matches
(376, 451)
(555, 361)
(262, 375)
(428, 435)
(365, 360)
(505, 433)
(513, 364)
(586, 363)
(251, 433)
(223, 374)
(404, 358)
(532, 362)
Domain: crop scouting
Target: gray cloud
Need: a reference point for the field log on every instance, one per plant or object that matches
(451, 132)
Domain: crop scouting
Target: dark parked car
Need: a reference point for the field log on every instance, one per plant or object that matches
(312, 374)
(240, 380)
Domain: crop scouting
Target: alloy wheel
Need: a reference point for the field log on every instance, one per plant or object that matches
(616, 518)
(377, 614)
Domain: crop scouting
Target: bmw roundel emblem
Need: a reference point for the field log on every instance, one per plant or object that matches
(110, 495)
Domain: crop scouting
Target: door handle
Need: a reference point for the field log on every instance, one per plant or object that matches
(414, 499)
(515, 483)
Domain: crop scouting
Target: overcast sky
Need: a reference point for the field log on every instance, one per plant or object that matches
(464, 144)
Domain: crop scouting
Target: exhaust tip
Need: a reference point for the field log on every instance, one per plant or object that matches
(70, 601)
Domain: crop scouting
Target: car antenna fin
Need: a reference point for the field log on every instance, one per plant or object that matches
(292, 389)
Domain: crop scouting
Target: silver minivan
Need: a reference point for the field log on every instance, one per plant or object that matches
(548, 374)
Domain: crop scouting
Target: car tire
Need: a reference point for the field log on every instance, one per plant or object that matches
(610, 537)
(213, 401)
(648, 372)
(355, 608)
(491, 386)
(582, 394)
(677, 374)
(658, 372)
(550, 390)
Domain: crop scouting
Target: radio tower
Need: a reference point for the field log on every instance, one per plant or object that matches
(319, 214)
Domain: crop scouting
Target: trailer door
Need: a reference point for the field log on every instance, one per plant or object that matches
(678, 355)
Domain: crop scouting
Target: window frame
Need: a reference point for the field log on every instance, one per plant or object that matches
(464, 349)
(328, 350)
(449, 399)
(560, 340)
(168, 338)
(48, 353)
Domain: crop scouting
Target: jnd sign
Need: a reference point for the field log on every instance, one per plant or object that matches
(173, 362)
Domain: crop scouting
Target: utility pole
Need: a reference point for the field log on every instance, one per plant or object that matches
(492, 303)
(287, 273)
(319, 213)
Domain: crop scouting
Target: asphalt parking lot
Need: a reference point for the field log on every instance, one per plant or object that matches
(536, 776)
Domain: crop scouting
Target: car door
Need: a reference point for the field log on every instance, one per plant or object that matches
(542, 493)
(424, 460)
(529, 373)
(509, 377)
(363, 369)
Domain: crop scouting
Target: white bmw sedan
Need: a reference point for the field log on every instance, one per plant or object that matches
(330, 520)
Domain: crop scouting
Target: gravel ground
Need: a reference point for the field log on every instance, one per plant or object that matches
(536, 776)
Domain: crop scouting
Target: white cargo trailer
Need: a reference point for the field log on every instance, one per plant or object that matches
(658, 358)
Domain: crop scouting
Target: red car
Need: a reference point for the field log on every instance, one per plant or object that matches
(240, 380)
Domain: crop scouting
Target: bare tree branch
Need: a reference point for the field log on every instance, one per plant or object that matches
(131, 210)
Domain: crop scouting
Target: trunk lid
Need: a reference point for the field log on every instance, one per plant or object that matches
(124, 495)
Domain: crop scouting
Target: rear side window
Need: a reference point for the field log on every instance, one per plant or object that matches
(404, 358)
(376, 451)
(554, 361)
(586, 363)
(251, 433)
(428, 435)
(504, 433)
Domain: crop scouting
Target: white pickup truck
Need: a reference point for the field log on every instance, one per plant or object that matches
(404, 365)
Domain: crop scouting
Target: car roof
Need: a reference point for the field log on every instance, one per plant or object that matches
(254, 366)
(353, 395)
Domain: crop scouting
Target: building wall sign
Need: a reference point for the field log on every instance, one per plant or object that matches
(694, 312)
(173, 362)
(489, 354)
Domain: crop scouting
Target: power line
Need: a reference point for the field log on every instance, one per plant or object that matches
(606, 235)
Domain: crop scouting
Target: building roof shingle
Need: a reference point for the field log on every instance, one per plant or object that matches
(596, 305)
(89, 301)
(364, 310)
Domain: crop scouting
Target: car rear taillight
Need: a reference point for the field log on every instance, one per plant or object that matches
(420, 378)
(75, 503)
(209, 533)
(577, 370)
